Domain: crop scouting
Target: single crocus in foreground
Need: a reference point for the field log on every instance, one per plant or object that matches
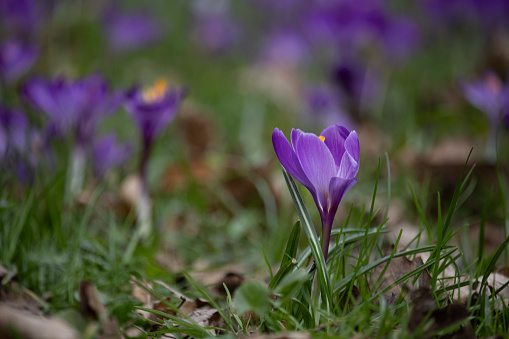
(326, 165)
(152, 109)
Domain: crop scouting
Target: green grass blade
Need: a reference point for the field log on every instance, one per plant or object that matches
(457, 191)
(388, 185)
(314, 242)
(287, 263)
(491, 264)
(365, 269)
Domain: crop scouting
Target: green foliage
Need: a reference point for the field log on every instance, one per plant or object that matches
(252, 296)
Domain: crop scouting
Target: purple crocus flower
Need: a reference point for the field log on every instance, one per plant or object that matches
(13, 132)
(356, 25)
(23, 17)
(73, 106)
(489, 95)
(152, 110)
(285, 47)
(127, 31)
(357, 85)
(16, 58)
(323, 102)
(326, 165)
(107, 153)
(215, 33)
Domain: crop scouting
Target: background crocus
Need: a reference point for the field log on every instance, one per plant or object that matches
(152, 110)
(490, 96)
(74, 107)
(108, 153)
(16, 58)
(128, 31)
(326, 165)
(13, 132)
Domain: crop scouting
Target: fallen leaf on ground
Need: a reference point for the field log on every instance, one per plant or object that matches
(229, 275)
(15, 296)
(424, 308)
(398, 267)
(91, 305)
(496, 283)
(15, 323)
(199, 309)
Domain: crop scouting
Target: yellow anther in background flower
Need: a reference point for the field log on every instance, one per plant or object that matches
(155, 92)
(322, 138)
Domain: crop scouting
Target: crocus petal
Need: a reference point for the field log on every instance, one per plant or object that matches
(335, 136)
(317, 163)
(350, 160)
(289, 159)
(296, 134)
(338, 188)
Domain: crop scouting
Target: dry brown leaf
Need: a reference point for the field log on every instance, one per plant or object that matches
(230, 275)
(232, 281)
(495, 282)
(15, 296)
(146, 298)
(398, 267)
(15, 323)
(197, 309)
(424, 307)
(91, 305)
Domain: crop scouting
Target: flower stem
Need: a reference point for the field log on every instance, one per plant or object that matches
(144, 205)
(144, 212)
(76, 171)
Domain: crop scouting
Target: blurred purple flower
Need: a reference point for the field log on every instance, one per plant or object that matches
(215, 33)
(323, 102)
(325, 165)
(16, 58)
(127, 31)
(73, 106)
(107, 153)
(489, 95)
(23, 17)
(285, 47)
(153, 109)
(488, 15)
(13, 132)
(356, 25)
(356, 84)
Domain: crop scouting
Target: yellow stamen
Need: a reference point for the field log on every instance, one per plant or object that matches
(156, 92)
(321, 137)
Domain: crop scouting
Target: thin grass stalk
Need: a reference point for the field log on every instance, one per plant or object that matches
(314, 242)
